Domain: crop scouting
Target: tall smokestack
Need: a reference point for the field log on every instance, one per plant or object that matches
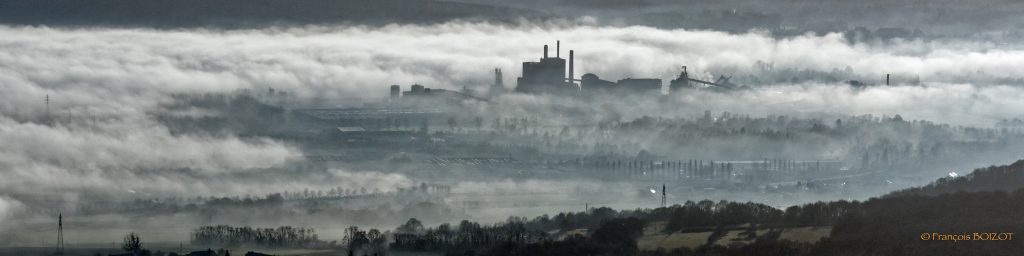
(545, 51)
(571, 75)
(497, 78)
(558, 49)
(886, 79)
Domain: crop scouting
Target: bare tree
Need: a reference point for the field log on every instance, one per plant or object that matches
(132, 243)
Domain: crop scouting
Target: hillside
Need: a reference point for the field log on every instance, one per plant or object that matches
(983, 206)
(1005, 178)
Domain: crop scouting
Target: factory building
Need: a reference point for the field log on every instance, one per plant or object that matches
(592, 83)
(498, 87)
(419, 95)
(681, 82)
(548, 75)
(416, 94)
(396, 93)
(640, 85)
(417, 90)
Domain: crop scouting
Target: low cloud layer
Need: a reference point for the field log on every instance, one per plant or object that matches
(105, 84)
(108, 154)
(127, 65)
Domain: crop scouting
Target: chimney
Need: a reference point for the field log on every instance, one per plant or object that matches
(396, 92)
(545, 51)
(558, 49)
(497, 78)
(571, 76)
(886, 79)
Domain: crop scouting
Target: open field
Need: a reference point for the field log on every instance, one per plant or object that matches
(654, 238)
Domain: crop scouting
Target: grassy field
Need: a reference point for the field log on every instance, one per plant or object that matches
(654, 238)
(806, 234)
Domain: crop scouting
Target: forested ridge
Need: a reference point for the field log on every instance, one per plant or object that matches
(1004, 178)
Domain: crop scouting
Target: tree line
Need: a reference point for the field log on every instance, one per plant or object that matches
(466, 236)
(228, 236)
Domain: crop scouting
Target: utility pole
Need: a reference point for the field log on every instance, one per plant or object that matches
(46, 116)
(663, 196)
(60, 227)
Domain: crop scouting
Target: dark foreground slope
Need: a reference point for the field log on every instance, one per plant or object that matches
(979, 214)
(911, 224)
(988, 201)
(243, 13)
(993, 178)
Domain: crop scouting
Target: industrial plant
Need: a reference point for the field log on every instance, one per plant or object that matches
(668, 128)
(552, 75)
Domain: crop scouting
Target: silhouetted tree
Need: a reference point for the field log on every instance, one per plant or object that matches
(133, 244)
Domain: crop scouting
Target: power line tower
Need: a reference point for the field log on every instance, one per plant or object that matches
(46, 116)
(663, 196)
(60, 234)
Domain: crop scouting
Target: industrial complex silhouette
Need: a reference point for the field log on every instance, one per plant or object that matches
(552, 75)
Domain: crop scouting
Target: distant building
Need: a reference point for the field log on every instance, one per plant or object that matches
(547, 75)
(396, 92)
(590, 82)
(498, 87)
(640, 85)
(419, 95)
(417, 90)
(681, 82)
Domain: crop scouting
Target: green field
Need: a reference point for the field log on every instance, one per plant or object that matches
(654, 238)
